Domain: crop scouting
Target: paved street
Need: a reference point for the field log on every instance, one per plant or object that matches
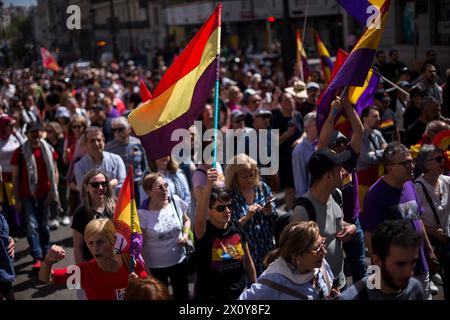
(27, 285)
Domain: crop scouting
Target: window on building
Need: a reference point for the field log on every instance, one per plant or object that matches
(442, 21)
(405, 21)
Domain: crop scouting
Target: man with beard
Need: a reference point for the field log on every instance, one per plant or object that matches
(428, 82)
(373, 144)
(393, 197)
(395, 252)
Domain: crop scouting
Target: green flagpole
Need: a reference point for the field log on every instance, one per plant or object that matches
(217, 93)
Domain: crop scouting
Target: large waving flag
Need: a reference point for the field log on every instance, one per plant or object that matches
(355, 68)
(180, 97)
(145, 93)
(126, 221)
(325, 59)
(361, 9)
(48, 61)
(302, 59)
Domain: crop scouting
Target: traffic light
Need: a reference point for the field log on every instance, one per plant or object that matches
(101, 43)
(271, 19)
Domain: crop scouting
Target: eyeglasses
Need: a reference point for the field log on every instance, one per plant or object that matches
(222, 207)
(77, 126)
(254, 101)
(437, 159)
(96, 185)
(406, 164)
(162, 186)
(121, 129)
(320, 249)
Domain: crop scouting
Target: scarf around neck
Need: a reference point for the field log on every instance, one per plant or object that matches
(47, 155)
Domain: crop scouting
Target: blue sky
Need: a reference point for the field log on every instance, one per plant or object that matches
(19, 2)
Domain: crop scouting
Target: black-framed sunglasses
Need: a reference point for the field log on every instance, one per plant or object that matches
(96, 185)
(438, 159)
(406, 164)
(221, 208)
(121, 129)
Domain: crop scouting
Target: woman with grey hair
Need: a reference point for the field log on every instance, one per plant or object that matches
(433, 190)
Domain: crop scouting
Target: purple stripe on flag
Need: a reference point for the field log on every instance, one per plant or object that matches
(354, 70)
(324, 107)
(367, 97)
(158, 143)
(326, 61)
(357, 9)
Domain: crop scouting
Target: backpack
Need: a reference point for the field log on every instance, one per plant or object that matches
(283, 220)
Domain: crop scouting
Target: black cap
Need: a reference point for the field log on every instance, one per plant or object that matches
(324, 160)
(98, 107)
(34, 126)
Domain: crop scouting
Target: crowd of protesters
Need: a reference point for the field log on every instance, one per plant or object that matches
(65, 144)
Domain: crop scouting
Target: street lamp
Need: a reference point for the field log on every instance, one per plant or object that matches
(92, 18)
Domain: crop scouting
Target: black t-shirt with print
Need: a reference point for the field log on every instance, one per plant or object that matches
(220, 256)
(81, 218)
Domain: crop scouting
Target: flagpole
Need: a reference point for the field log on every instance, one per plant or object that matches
(302, 41)
(390, 82)
(132, 222)
(217, 93)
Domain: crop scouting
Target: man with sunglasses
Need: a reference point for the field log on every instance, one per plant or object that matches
(393, 197)
(129, 149)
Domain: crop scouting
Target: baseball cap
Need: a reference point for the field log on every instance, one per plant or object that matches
(324, 160)
(98, 107)
(404, 85)
(262, 112)
(312, 85)
(34, 126)
(236, 114)
(62, 112)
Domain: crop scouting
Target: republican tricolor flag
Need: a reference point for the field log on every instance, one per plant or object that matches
(48, 61)
(126, 221)
(325, 59)
(302, 58)
(145, 93)
(180, 96)
(356, 67)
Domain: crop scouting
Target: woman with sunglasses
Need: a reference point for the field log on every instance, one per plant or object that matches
(224, 263)
(97, 201)
(252, 206)
(297, 270)
(433, 190)
(165, 232)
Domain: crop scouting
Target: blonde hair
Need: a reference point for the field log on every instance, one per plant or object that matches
(238, 164)
(104, 227)
(296, 239)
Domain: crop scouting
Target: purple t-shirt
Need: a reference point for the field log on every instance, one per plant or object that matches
(384, 202)
(350, 194)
